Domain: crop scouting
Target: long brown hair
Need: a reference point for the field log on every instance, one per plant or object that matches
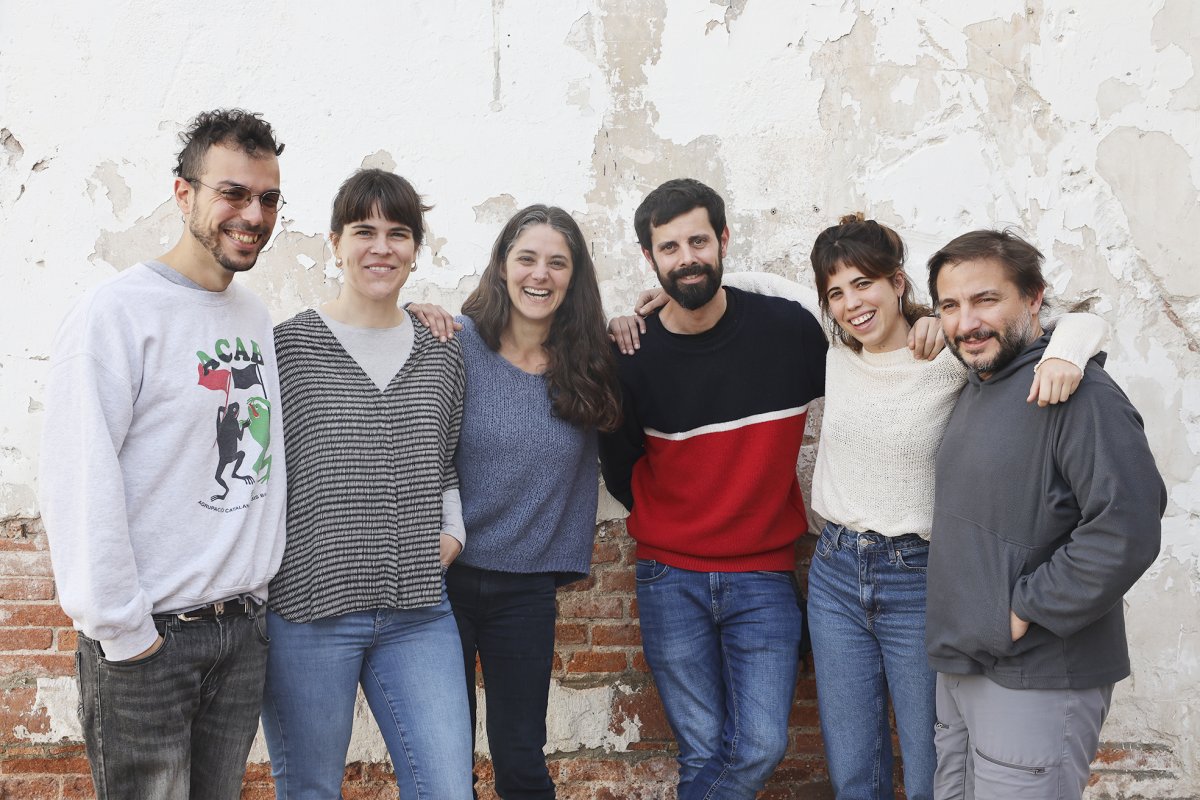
(581, 375)
(876, 251)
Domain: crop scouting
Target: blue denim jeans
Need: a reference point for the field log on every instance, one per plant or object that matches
(178, 723)
(508, 620)
(723, 648)
(409, 665)
(866, 614)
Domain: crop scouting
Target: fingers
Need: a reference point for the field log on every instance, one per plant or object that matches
(925, 338)
(439, 321)
(1054, 382)
(650, 301)
(626, 332)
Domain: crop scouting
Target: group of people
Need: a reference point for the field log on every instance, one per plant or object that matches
(414, 487)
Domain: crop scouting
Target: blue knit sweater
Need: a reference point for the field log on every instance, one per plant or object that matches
(529, 480)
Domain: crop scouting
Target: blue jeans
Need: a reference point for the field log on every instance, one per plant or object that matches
(409, 665)
(508, 620)
(866, 614)
(723, 648)
(178, 723)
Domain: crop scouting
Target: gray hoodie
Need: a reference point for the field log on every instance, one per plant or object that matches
(1051, 512)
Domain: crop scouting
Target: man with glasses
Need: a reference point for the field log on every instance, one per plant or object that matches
(162, 483)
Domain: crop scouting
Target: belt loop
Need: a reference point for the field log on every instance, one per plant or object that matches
(891, 545)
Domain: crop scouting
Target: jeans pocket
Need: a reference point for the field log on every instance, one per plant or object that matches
(649, 571)
(915, 559)
(778, 575)
(164, 630)
(826, 544)
(259, 621)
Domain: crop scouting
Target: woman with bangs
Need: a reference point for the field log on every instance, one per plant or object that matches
(890, 388)
(540, 382)
(372, 410)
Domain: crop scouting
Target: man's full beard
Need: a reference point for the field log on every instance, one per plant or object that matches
(695, 295)
(1015, 337)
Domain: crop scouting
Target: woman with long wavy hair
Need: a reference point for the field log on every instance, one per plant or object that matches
(540, 382)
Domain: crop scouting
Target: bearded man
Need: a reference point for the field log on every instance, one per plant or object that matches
(1043, 519)
(714, 405)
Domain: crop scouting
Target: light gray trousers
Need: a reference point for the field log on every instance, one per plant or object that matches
(995, 743)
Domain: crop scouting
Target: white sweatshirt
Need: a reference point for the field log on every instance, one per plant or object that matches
(157, 395)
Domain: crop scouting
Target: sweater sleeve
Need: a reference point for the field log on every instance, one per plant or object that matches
(1076, 338)
(89, 410)
(620, 450)
(1102, 455)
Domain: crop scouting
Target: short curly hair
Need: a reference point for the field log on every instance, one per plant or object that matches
(232, 127)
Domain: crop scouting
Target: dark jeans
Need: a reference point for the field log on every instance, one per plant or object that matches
(508, 619)
(178, 723)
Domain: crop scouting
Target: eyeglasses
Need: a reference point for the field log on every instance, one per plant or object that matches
(240, 197)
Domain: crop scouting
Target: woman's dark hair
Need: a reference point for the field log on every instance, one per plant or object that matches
(371, 190)
(228, 127)
(581, 375)
(876, 251)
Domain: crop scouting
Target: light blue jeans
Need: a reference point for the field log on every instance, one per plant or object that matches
(409, 663)
(866, 616)
(723, 648)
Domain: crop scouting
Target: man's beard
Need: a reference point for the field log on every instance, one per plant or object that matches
(1015, 337)
(694, 295)
(212, 243)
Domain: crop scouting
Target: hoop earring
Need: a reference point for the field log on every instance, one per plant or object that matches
(337, 262)
(412, 267)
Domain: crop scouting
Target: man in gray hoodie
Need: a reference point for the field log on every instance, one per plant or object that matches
(1043, 519)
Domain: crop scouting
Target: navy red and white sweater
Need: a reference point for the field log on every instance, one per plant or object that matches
(706, 457)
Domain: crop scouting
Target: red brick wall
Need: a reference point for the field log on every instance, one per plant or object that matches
(598, 644)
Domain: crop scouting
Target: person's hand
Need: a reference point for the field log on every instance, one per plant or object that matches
(149, 651)
(439, 321)
(1016, 626)
(1054, 381)
(650, 301)
(626, 332)
(925, 338)
(449, 549)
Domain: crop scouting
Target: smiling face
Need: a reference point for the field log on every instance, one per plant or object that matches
(232, 237)
(868, 308)
(376, 257)
(537, 274)
(986, 319)
(686, 254)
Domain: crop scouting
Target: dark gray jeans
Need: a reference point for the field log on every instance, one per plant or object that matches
(180, 722)
(995, 743)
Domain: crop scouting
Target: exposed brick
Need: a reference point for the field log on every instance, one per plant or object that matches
(30, 789)
(27, 588)
(26, 639)
(577, 769)
(78, 787)
(33, 563)
(67, 639)
(16, 710)
(33, 615)
(605, 553)
(616, 635)
(644, 706)
(37, 666)
(661, 769)
(618, 581)
(639, 662)
(570, 633)
(257, 772)
(590, 661)
(583, 606)
(44, 765)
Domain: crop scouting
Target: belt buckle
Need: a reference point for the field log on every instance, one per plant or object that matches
(218, 609)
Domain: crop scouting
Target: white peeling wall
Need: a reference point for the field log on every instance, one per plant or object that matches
(1077, 122)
